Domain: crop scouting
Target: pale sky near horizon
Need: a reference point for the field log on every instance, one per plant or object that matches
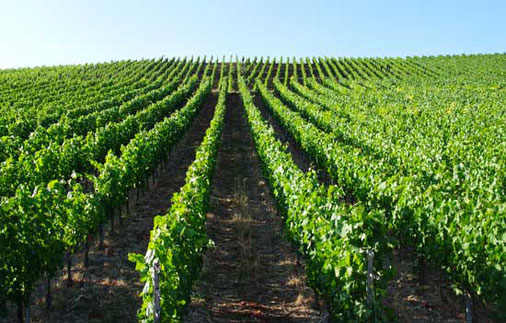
(54, 32)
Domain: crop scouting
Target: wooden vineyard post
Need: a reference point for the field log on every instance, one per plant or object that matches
(156, 291)
(370, 277)
(442, 287)
(19, 312)
(469, 307)
(128, 207)
(27, 310)
(111, 214)
(86, 251)
(69, 268)
(48, 292)
(101, 236)
(120, 213)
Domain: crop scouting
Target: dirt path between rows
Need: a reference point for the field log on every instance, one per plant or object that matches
(252, 273)
(108, 290)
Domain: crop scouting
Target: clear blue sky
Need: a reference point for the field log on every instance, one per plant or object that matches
(49, 32)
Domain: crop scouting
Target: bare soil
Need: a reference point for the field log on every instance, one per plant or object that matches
(252, 274)
(429, 301)
(107, 291)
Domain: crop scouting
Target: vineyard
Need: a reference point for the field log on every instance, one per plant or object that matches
(258, 189)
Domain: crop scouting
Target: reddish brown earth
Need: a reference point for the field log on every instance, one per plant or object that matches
(429, 301)
(252, 274)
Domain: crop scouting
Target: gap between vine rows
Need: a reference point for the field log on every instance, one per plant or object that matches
(252, 274)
